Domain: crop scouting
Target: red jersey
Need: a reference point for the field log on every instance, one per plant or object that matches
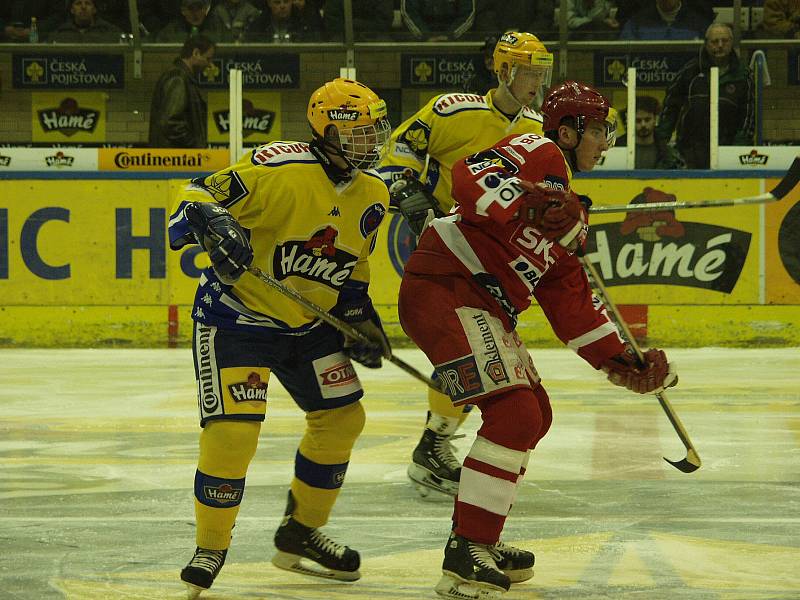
(485, 241)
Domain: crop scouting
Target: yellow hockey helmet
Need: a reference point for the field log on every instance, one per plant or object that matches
(358, 115)
(517, 48)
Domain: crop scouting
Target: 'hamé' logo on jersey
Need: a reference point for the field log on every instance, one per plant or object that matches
(371, 219)
(252, 390)
(317, 259)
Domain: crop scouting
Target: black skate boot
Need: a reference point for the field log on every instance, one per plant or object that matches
(514, 562)
(308, 551)
(469, 572)
(201, 571)
(434, 466)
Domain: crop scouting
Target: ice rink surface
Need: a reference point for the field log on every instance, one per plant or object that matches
(98, 450)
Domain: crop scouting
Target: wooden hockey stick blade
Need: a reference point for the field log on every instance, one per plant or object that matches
(692, 461)
(335, 322)
(785, 185)
(690, 464)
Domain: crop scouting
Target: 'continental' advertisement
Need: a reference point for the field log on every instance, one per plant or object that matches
(159, 159)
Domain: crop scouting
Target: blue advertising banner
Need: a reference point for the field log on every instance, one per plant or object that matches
(652, 69)
(438, 71)
(259, 71)
(68, 71)
(794, 67)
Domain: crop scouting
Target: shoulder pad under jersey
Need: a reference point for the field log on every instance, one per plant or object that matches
(529, 113)
(281, 153)
(449, 104)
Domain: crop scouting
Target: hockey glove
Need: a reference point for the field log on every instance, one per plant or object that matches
(625, 371)
(558, 215)
(414, 202)
(359, 312)
(222, 237)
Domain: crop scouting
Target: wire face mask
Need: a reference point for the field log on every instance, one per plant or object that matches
(364, 146)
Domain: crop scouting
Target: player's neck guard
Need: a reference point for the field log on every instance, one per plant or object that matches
(335, 174)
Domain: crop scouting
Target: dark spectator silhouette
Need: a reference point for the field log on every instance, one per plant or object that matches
(193, 21)
(280, 23)
(84, 26)
(231, 19)
(178, 111)
(484, 78)
(666, 20)
(651, 153)
(592, 19)
(371, 20)
(438, 20)
(15, 18)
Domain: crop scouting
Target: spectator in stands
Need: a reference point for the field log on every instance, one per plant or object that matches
(371, 20)
(310, 14)
(592, 19)
(231, 18)
(651, 153)
(438, 20)
(666, 20)
(178, 111)
(686, 105)
(782, 19)
(193, 21)
(15, 18)
(536, 16)
(116, 12)
(280, 23)
(484, 78)
(84, 26)
(153, 14)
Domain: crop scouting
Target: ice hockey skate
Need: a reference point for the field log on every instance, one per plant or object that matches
(201, 571)
(514, 562)
(469, 572)
(308, 551)
(434, 466)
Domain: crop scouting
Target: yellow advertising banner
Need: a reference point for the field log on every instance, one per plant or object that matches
(68, 116)
(162, 159)
(782, 248)
(261, 117)
(692, 256)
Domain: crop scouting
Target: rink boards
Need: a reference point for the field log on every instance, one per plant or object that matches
(85, 262)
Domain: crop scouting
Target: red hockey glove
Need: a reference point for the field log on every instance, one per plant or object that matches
(623, 370)
(557, 214)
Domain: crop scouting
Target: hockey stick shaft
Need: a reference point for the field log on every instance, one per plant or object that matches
(344, 327)
(692, 461)
(785, 185)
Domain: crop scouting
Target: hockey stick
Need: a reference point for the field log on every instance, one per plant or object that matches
(784, 186)
(692, 461)
(345, 328)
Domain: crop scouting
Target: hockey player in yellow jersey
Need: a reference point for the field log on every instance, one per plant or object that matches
(417, 167)
(307, 214)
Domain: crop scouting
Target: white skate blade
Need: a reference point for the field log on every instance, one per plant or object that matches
(453, 586)
(193, 591)
(306, 566)
(425, 478)
(519, 575)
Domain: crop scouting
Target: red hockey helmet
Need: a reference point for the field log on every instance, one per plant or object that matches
(581, 102)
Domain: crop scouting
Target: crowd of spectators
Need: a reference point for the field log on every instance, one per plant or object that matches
(278, 21)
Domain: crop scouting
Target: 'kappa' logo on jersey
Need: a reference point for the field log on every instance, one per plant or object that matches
(316, 259)
(225, 188)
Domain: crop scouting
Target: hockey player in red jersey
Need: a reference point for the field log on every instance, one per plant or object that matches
(512, 237)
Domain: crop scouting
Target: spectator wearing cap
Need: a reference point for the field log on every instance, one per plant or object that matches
(193, 21)
(484, 77)
(84, 26)
(231, 18)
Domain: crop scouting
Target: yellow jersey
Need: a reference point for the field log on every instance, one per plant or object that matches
(306, 230)
(448, 128)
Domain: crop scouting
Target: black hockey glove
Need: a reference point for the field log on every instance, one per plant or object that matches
(222, 237)
(410, 197)
(356, 309)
